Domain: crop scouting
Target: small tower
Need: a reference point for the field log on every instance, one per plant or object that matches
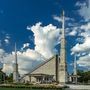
(62, 64)
(15, 69)
(75, 70)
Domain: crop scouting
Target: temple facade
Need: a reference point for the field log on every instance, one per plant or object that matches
(53, 69)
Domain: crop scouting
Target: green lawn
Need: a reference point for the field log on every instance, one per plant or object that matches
(25, 89)
(17, 89)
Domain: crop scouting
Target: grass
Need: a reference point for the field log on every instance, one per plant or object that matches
(30, 87)
(26, 89)
(15, 88)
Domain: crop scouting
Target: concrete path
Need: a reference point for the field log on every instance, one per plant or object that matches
(79, 87)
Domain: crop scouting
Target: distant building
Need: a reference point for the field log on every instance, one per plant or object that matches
(73, 79)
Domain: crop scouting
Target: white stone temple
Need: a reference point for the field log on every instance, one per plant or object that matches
(53, 69)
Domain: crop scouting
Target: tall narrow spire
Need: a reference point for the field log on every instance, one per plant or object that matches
(62, 64)
(75, 70)
(63, 22)
(75, 65)
(63, 33)
(15, 72)
(15, 53)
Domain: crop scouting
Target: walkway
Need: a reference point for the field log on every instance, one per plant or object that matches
(79, 87)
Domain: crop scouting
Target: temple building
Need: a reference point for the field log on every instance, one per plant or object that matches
(53, 69)
(44, 73)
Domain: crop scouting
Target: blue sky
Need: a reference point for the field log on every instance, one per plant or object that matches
(17, 15)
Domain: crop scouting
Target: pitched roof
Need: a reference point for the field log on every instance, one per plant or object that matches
(38, 66)
(42, 64)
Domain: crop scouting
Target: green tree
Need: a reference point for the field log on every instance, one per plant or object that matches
(84, 76)
(10, 77)
(2, 77)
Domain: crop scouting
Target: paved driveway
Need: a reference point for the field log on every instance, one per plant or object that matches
(79, 87)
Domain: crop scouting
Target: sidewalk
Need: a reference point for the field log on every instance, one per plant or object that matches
(79, 87)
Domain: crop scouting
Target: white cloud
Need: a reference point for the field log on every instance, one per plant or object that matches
(6, 41)
(68, 18)
(1, 52)
(7, 36)
(83, 4)
(84, 10)
(59, 19)
(71, 24)
(82, 47)
(26, 45)
(86, 27)
(84, 61)
(85, 39)
(46, 38)
(73, 33)
(26, 61)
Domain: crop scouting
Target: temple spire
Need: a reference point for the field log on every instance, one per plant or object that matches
(15, 53)
(62, 64)
(63, 24)
(75, 69)
(15, 68)
(75, 65)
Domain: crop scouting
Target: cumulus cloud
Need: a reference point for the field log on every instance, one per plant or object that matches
(85, 40)
(26, 61)
(46, 38)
